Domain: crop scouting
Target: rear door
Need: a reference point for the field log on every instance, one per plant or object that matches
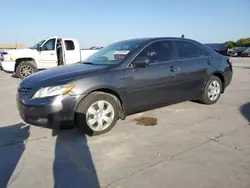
(193, 64)
(154, 84)
(71, 51)
(47, 57)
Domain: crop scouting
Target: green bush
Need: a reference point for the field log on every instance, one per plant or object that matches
(243, 42)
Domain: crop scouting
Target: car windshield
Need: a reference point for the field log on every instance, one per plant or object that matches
(38, 44)
(247, 50)
(114, 53)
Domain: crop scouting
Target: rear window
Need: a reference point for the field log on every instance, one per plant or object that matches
(202, 53)
(187, 50)
(69, 45)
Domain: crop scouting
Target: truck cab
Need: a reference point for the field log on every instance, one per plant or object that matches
(48, 53)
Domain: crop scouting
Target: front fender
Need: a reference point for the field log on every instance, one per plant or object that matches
(28, 59)
(110, 83)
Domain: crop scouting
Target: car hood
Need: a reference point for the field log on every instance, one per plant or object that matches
(21, 52)
(61, 74)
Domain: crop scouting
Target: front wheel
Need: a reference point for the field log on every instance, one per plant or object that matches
(97, 113)
(25, 69)
(212, 90)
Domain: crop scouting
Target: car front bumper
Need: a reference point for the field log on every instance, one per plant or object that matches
(8, 66)
(51, 112)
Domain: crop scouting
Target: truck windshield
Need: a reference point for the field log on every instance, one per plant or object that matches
(38, 44)
(114, 53)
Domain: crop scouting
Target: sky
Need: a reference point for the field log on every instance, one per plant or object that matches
(101, 22)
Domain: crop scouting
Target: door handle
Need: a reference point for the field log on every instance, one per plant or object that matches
(173, 69)
(52, 54)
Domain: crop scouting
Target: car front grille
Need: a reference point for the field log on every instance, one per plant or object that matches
(24, 91)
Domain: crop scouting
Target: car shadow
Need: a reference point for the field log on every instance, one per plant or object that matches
(245, 111)
(12, 146)
(14, 76)
(73, 165)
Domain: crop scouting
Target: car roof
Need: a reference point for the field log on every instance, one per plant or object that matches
(152, 39)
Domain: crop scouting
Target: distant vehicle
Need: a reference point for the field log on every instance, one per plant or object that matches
(246, 53)
(2, 53)
(48, 53)
(220, 48)
(96, 48)
(236, 51)
(95, 93)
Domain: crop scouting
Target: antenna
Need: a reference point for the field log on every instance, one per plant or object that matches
(182, 36)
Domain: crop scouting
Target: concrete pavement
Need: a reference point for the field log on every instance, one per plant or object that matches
(193, 145)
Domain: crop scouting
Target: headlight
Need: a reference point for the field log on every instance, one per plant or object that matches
(8, 57)
(53, 91)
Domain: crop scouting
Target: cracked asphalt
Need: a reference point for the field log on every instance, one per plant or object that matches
(193, 145)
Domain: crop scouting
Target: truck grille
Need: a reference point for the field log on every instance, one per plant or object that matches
(23, 91)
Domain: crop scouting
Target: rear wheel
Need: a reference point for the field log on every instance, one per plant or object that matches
(212, 91)
(97, 113)
(25, 69)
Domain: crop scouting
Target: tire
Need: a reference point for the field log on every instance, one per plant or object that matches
(205, 99)
(83, 114)
(29, 66)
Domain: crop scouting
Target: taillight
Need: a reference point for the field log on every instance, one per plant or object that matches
(229, 62)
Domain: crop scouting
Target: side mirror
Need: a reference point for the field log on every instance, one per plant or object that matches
(141, 62)
(39, 48)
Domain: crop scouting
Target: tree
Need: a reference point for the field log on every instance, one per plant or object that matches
(243, 42)
(230, 44)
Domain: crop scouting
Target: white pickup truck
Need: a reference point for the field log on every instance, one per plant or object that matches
(48, 53)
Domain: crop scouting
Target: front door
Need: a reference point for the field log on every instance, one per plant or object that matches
(153, 85)
(48, 57)
(193, 64)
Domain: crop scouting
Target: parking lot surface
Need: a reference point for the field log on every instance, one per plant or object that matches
(193, 145)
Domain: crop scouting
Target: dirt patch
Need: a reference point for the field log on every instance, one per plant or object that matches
(146, 121)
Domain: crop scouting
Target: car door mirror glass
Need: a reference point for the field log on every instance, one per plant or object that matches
(141, 62)
(39, 48)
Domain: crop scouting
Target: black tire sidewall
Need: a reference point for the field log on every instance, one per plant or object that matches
(19, 67)
(86, 103)
(205, 98)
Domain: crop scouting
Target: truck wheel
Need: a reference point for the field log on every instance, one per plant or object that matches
(97, 113)
(24, 69)
(212, 91)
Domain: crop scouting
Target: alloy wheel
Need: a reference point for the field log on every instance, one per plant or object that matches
(214, 90)
(26, 70)
(100, 115)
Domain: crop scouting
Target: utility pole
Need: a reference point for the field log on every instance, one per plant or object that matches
(34, 39)
(16, 42)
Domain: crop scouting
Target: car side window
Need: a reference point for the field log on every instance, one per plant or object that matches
(69, 45)
(158, 51)
(202, 53)
(49, 45)
(187, 50)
